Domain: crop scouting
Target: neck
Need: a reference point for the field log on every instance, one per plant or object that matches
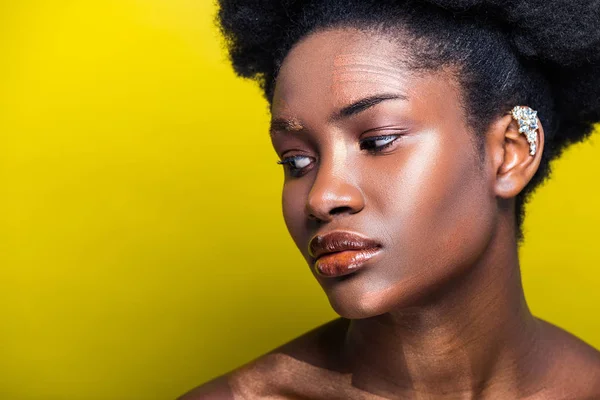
(477, 334)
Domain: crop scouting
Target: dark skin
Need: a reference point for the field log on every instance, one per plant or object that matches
(440, 313)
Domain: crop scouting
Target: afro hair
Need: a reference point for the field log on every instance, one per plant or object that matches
(541, 53)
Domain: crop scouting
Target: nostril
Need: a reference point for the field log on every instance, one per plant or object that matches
(340, 210)
(318, 220)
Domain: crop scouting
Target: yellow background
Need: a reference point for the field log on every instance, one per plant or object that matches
(142, 248)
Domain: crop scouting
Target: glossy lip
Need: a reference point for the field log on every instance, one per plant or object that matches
(340, 253)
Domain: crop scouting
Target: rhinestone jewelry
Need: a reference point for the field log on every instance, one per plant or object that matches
(528, 124)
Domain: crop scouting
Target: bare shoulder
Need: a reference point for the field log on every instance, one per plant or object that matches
(575, 365)
(217, 389)
(294, 367)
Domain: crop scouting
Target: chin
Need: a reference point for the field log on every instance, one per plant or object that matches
(352, 305)
(358, 297)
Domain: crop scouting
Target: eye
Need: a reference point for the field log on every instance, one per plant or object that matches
(378, 143)
(296, 165)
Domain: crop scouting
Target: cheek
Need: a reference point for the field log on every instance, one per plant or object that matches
(459, 203)
(293, 202)
(442, 183)
(436, 215)
(437, 207)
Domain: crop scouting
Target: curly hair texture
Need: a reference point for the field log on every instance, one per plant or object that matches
(540, 53)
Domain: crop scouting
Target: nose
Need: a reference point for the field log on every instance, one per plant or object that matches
(333, 193)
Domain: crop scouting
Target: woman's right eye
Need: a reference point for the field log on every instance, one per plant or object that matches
(296, 165)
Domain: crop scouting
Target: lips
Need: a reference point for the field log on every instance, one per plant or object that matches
(339, 253)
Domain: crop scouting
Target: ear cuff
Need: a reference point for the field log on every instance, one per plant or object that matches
(528, 125)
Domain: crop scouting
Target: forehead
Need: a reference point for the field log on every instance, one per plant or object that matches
(330, 69)
(338, 66)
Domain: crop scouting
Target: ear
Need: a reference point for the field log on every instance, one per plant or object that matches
(510, 158)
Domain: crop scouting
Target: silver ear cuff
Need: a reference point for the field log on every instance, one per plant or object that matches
(528, 124)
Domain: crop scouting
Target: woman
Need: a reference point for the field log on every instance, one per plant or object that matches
(410, 138)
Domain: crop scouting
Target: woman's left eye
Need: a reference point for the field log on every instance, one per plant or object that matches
(378, 143)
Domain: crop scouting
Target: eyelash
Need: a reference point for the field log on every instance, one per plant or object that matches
(374, 139)
(296, 172)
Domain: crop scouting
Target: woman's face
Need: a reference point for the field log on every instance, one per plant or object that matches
(375, 150)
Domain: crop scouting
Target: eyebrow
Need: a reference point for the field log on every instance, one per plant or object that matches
(285, 125)
(364, 104)
(294, 125)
